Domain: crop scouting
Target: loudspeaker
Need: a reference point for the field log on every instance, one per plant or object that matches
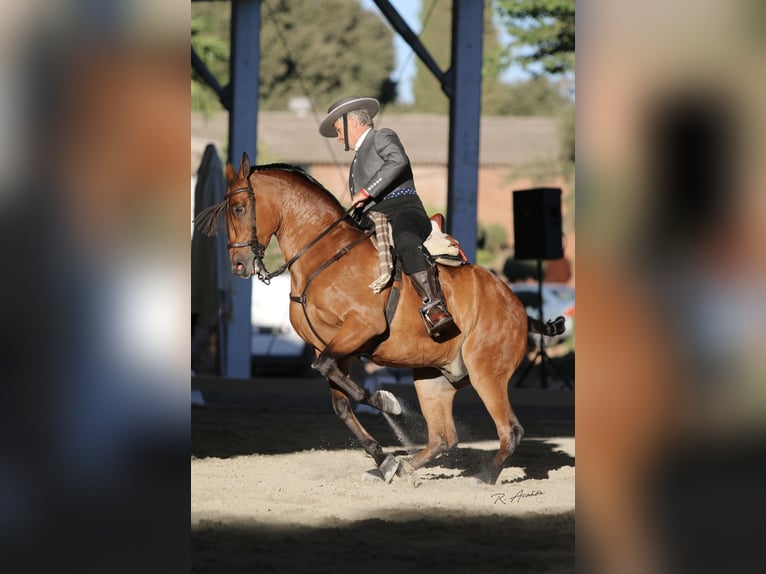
(537, 223)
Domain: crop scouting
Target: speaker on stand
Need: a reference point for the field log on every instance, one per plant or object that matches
(537, 230)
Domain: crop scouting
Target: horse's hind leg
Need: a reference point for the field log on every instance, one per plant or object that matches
(435, 395)
(490, 373)
(387, 464)
(492, 388)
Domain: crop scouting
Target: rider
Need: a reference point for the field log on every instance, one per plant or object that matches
(380, 179)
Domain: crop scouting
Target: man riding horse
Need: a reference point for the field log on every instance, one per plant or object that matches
(381, 180)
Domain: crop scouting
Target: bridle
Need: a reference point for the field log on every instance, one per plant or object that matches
(257, 247)
(259, 250)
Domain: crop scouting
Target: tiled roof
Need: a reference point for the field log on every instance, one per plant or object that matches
(505, 140)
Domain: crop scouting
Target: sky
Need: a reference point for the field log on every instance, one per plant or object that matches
(404, 72)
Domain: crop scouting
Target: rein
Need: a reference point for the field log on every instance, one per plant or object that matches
(259, 250)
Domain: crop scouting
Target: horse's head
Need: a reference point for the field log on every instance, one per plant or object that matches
(246, 245)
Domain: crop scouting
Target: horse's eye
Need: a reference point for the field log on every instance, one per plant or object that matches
(240, 210)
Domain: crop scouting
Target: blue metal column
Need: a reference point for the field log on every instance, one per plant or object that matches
(465, 121)
(243, 136)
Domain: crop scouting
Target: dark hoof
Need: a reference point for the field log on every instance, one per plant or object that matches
(386, 402)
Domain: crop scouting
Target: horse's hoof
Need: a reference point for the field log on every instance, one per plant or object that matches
(388, 467)
(372, 475)
(407, 471)
(386, 402)
(405, 468)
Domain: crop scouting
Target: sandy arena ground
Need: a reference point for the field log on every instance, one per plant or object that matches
(277, 487)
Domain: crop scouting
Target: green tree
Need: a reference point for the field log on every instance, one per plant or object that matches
(495, 94)
(324, 49)
(543, 31)
(436, 18)
(537, 96)
(328, 48)
(436, 31)
(213, 50)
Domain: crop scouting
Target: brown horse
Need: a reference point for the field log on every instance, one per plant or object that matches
(331, 262)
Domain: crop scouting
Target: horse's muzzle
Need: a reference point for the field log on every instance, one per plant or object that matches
(240, 270)
(243, 267)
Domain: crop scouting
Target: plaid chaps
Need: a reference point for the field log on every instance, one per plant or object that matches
(385, 250)
(439, 246)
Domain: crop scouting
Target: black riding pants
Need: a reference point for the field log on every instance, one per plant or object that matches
(410, 226)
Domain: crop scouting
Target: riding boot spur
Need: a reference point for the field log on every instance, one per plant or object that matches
(434, 309)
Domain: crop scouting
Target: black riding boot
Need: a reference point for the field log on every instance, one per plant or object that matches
(434, 309)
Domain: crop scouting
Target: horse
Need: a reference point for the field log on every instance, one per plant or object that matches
(331, 261)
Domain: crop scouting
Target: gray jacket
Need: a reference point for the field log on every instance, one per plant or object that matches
(380, 166)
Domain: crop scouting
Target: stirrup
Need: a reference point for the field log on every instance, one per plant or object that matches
(435, 329)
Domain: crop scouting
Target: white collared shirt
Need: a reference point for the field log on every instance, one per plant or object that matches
(361, 140)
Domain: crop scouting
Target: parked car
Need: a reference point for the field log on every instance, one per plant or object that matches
(558, 300)
(276, 348)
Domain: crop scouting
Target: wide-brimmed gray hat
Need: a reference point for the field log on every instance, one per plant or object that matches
(343, 106)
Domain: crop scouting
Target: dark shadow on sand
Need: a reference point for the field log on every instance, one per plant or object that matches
(535, 457)
(271, 427)
(403, 541)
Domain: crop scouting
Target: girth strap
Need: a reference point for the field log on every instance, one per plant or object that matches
(393, 298)
(391, 305)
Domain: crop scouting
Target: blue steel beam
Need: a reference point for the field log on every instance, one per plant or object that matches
(414, 42)
(462, 85)
(465, 122)
(243, 136)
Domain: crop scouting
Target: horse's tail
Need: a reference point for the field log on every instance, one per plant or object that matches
(549, 328)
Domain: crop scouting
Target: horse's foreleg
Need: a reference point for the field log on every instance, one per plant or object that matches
(354, 333)
(381, 400)
(387, 464)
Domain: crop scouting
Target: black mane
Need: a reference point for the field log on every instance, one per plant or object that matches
(294, 169)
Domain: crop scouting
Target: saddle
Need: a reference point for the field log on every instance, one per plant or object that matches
(444, 248)
(438, 246)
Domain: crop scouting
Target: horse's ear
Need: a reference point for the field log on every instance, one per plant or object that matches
(230, 173)
(244, 167)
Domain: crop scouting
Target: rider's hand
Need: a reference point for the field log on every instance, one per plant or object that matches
(359, 198)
